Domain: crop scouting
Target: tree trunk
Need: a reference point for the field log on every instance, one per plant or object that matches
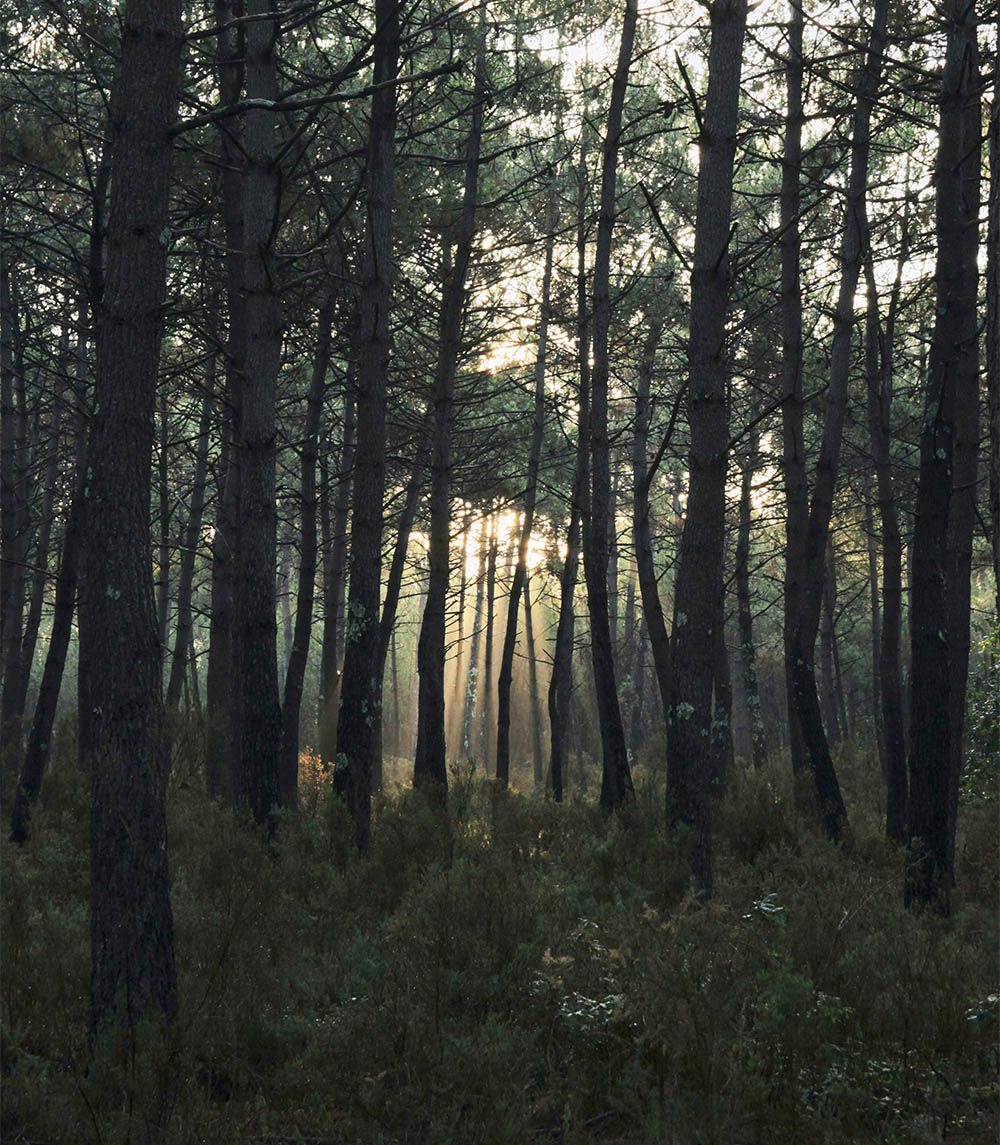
(18, 687)
(537, 767)
(792, 399)
(359, 689)
(163, 555)
(953, 371)
(748, 658)
(288, 760)
(993, 323)
(520, 578)
(334, 578)
(258, 728)
(616, 781)
(827, 638)
(561, 682)
(486, 704)
(184, 636)
(394, 581)
(220, 682)
(698, 587)
(472, 677)
(805, 621)
(642, 475)
(430, 764)
(133, 972)
(36, 754)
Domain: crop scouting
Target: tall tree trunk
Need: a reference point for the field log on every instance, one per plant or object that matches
(184, 636)
(616, 781)
(792, 398)
(220, 682)
(334, 578)
(520, 578)
(37, 752)
(258, 729)
(936, 594)
(880, 344)
(561, 682)
(16, 516)
(288, 761)
(698, 587)
(748, 657)
(16, 688)
(430, 764)
(163, 554)
(642, 474)
(537, 766)
(805, 622)
(993, 322)
(637, 737)
(486, 703)
(133, 972)
(827, 638)
(359, 689)
(472, 677)
(394, 581)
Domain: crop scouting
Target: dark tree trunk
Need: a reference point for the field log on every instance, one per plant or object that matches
(698, 590)
(519, 581)
(359, 689)
(258, 727)
(638, 735)
(288, 760)
(16, 535)
(36, 754)
(748, 657)
(220, 682)
(394, 581)
(827, 640)
(723, 751)
(163, 555)
(805, 621)
(472, 677)
(430, 763)
(537, 766)
(889, 674)
(642, 475)
(616, 781)
(184, 636)
(561, 682)
(486, 703)
(936, 594)
(16, 689)
(993, 323)
(121, 737)
(43, 720)
(792, 399)
(334, 580)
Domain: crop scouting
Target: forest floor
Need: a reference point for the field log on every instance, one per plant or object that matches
(515, 971)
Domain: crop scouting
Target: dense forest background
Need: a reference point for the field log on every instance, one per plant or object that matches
(511, 495)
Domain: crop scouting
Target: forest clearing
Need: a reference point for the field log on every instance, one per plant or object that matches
(500, 572)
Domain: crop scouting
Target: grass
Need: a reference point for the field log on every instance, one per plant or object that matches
(514, 971)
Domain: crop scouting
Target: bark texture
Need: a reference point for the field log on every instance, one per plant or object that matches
(698, 587)
(953, 370)
(122, 740)
(359, 689)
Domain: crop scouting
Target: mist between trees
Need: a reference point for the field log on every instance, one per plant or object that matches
(604, 405)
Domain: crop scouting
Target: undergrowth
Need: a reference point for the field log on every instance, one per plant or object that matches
(514, 971)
